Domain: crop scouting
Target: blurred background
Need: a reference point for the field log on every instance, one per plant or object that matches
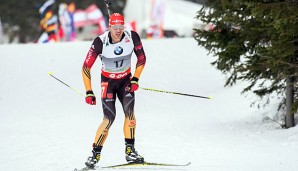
(51, 21)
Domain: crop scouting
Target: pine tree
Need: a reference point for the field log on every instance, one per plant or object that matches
(255, 41)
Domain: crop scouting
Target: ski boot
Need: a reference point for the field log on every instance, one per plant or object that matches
(92, 160)
(132, 155)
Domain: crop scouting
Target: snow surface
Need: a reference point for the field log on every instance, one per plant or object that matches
(45, 125)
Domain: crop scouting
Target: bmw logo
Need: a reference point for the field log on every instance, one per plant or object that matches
(118, 50)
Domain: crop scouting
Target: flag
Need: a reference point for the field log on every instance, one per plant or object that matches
(45, 7)
(44, 38)
(157, 19)
(91, 15)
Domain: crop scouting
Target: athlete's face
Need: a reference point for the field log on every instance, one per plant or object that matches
(116, 32)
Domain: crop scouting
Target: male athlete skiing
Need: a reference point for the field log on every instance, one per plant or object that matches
(115, 48)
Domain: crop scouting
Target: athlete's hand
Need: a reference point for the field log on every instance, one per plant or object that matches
(134, 85)
(90, 98)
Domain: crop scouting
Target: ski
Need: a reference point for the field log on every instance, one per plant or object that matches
(85, 169)
(132, 164)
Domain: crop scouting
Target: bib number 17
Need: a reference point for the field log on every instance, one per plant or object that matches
(119, 63)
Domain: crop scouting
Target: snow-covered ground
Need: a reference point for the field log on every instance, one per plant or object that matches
(44, 125)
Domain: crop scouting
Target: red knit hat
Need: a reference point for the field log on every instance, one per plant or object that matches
(116, 18)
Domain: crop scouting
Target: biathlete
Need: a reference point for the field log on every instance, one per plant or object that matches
(115, 48)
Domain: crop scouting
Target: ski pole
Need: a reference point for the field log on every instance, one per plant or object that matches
(51, 74)
(108, 3)
(170, 92)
